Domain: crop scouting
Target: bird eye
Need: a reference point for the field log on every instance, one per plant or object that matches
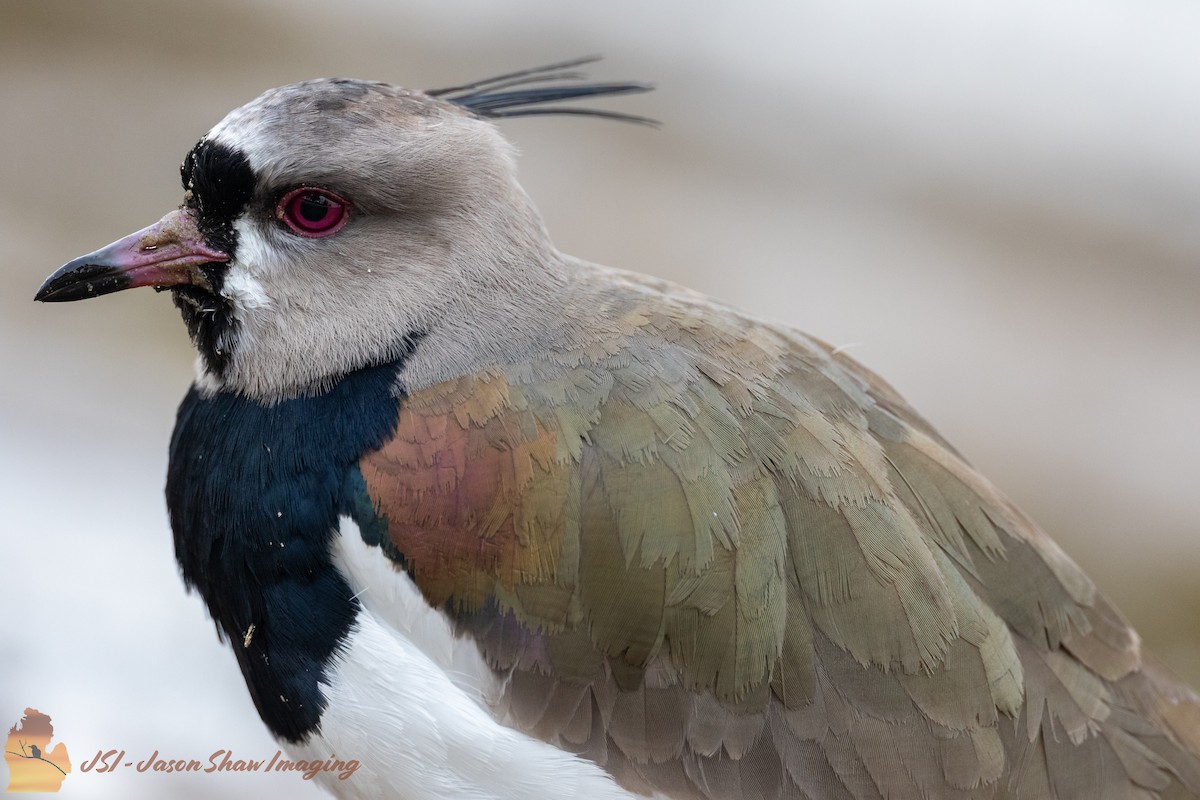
(312, 212)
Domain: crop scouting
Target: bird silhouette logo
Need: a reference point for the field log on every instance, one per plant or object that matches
(32, 764)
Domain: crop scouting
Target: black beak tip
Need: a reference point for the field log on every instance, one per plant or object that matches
(46, 294)
(76, 281)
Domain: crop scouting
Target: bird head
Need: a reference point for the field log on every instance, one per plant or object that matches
(327, 225)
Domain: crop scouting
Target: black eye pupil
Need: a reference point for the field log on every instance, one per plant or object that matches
(314, 207)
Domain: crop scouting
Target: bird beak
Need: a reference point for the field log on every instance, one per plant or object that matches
(168, 253)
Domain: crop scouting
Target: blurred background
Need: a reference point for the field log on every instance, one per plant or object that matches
(993, 203)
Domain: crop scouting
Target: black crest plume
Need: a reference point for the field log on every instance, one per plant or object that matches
(517, 94)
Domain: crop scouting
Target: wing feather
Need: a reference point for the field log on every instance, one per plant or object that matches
(724, 561)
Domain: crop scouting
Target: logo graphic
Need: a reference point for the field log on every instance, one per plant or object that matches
(33, 767)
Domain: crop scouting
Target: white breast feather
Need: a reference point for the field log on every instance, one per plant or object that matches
(414, 705)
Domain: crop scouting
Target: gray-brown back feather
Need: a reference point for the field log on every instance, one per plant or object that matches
(856, 613)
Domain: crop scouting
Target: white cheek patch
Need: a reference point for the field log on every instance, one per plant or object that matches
(255, 258)
(244, 291)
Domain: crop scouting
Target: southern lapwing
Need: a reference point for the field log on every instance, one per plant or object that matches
(498, 523)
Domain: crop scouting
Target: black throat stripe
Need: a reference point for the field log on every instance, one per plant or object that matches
(219, 186)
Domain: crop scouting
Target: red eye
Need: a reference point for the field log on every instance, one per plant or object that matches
(312, 212)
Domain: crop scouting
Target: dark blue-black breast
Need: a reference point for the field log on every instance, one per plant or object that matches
(254, 493)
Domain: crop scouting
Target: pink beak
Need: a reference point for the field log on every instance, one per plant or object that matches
(165, 254)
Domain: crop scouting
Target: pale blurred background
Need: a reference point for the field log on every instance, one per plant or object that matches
(994, 203)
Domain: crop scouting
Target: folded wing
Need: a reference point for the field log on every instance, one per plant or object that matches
(722, 561)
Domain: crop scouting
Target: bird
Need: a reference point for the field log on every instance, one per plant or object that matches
(484, 520)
